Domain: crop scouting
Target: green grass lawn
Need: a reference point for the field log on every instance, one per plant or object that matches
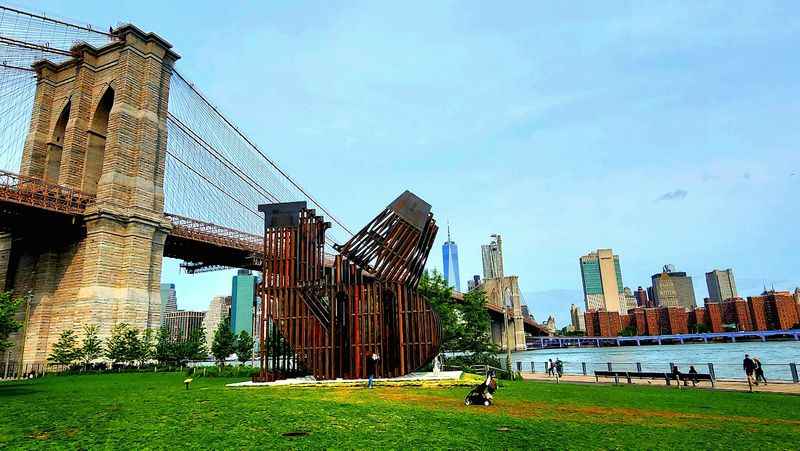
(155, 411)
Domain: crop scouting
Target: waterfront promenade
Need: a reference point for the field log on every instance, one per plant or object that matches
(720, 384)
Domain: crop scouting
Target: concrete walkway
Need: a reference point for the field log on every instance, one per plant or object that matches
(730, 385)
(308, 381)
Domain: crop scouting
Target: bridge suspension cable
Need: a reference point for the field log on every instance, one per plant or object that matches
(213, 171)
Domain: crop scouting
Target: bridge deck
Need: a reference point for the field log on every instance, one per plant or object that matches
(203, 244)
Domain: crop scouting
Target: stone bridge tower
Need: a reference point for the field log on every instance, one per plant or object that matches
(98, 126)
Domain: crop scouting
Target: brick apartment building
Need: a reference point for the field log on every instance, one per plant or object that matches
(773, 310)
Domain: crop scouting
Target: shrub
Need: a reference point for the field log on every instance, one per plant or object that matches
(245, 371)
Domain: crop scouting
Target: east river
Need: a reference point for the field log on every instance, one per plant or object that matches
(726, 358)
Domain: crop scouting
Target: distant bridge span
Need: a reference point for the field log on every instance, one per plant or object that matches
(560, 342)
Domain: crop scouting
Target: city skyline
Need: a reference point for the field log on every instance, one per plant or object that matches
(700, 129)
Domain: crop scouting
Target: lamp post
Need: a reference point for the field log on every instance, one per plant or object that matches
(507, 302)
(28, 298)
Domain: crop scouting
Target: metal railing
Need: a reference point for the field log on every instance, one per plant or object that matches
(192, 229)
(781, 372)
(35, 192)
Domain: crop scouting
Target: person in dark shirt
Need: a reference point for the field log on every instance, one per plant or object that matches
(693, 375)
(372, 364)
(749, 367)
(676, 373)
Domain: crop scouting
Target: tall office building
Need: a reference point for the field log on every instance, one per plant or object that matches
(578, 321)
(602, 281)
(169, 300)
(182, 323)
(673, 288)
(492, 255)
(721, 285)
(243, 298)
(218, 310)
(450, 260)
(641, 298)
(627, 300)
(473, 283)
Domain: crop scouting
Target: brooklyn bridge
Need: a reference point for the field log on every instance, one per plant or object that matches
(110, 160)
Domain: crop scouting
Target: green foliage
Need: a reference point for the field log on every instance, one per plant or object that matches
(241, 371)
(146, 349)
(9, 306)
(439, 295)
(629, 331)
(92, 347)
(474, 336)
(471, 360)
(571, 333)
(465, 325)
(224, 343)
(194, 348)
(118, 346)
(701, 328)
(244, 346)
(179, 352)
(164, 351)
(65, 350)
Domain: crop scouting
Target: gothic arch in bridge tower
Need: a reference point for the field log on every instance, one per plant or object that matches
(95, 151)
(55, 147)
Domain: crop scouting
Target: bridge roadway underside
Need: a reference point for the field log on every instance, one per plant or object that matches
(36, 228)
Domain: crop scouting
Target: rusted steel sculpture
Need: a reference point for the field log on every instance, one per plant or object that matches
(325, 317)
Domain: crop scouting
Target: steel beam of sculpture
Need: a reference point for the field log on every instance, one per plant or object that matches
(325, 317)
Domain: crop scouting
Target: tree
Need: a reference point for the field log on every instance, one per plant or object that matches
(146, 350)
(65, 350)
(223, 343)
(465, 325)
(629, 331)
(192, 348)
(92, 347)
(435, 290)
(9, 306)
(244, 346)
(196, 345)
(164, 351)
(117, 347)
(476, 324)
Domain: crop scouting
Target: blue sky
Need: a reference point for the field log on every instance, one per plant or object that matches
(667, 131)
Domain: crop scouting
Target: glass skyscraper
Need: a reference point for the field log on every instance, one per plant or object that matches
(602, 281)
(243, 297)
(450, 263)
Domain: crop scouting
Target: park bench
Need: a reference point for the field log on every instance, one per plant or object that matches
(686, 377)
(666, 377)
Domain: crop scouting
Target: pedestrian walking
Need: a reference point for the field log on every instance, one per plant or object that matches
(749, 368)
(559, 367)
(372, 365)
(550, 367)
(759, 371)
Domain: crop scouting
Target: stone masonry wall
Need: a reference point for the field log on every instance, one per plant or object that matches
(109, 271)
